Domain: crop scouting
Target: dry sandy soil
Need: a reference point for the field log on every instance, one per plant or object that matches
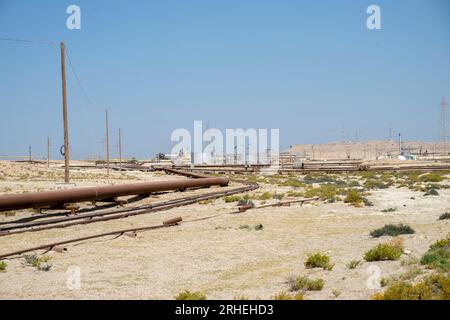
(216, 256)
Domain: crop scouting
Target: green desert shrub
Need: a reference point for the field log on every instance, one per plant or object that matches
(431, 177)
(431, 192)
(295, 194)
(319, 260)
(286, 296)
(389, 210)
(353, 197)
(432, 287)
(246, 202)
(367, 202)
(265, 196)
(306, 284)
(323, 192)
(437, 259)
(438, 256)
(442, 243)
(187, 295)
(40, 263)
(353, 264)
(445, 216)
(8, 213)
(259, 227)
(295, 183)
(392, 230)
(278, 196)
(318, 178)
(336, 292)
(383, 251)
(376, 184)
(3, 266)
(229, 199)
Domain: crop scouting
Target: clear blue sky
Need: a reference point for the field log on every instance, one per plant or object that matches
(309, 68)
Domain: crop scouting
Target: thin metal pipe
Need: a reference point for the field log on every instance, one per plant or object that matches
(56, 244)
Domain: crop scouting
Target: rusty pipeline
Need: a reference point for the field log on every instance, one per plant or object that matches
(58, 249)
(173, 221)
(245, 208)
(62, 197)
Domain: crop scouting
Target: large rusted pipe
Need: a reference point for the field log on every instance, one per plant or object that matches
(60, 197)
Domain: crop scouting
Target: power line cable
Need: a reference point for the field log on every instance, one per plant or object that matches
(77, 79)
(51, 43)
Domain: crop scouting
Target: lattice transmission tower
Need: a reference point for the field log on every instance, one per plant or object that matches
(443, 132)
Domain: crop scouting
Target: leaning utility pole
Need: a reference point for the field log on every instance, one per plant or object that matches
(107, 143)
(120, 149)
(66, 129)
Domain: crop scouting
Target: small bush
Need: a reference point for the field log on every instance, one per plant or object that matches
(318, 178)
(3, 266)
(389, 210)
(336, 292)
(306, 284)
(432, 287)
(353, 264)
(392, 230)
(40, 263)
(229, 199)
(384, 282)
(323, 192)
(431, 177)
(295, 194)
(442, 243)
(187, 295)
(259, 227)
(409, 261)
(8, 213)
(318, 260)
(278, 196)
(431, 192)
(246, 202)
(353, 197)
(438, 256)
(286, 296)
(411, 273)
(292, 182)
(375, 184)
(383, 251)
(445, 216)
(265, 196)
(367, 202)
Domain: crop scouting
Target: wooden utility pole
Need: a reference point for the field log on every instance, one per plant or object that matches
(107, 143)
(48, 152)
(29, 154)
(120, 149)
(66, 129)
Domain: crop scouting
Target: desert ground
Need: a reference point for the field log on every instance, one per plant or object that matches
(225, 256)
